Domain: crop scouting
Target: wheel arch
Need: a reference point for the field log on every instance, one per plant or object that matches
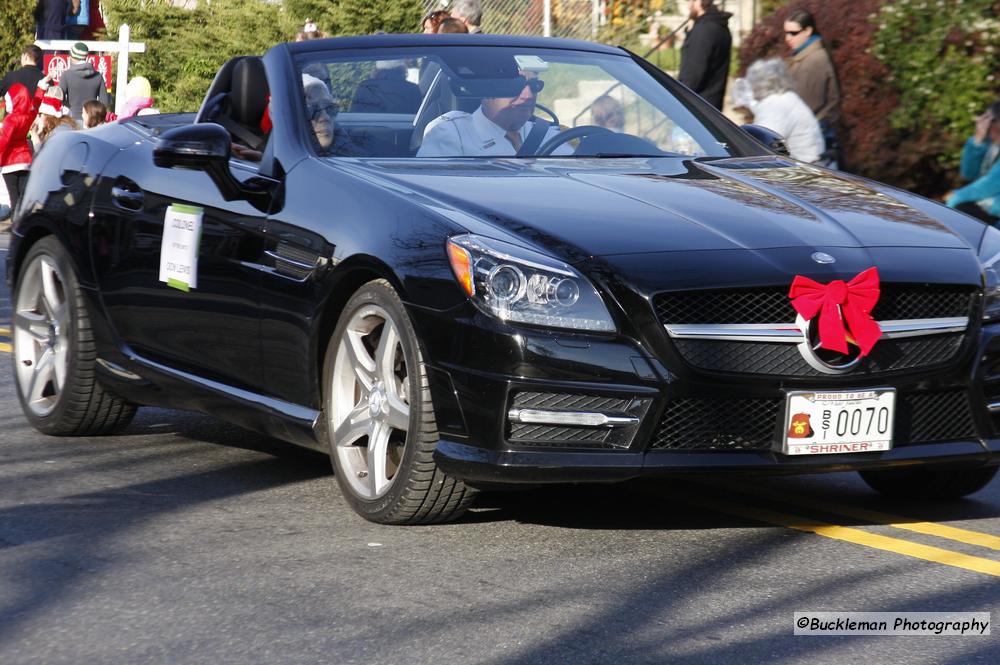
(34, 233)
(349, 276)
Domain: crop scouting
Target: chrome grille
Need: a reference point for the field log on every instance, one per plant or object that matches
(771, 304)
(785, 359)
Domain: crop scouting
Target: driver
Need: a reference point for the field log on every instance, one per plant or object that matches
(498, 127)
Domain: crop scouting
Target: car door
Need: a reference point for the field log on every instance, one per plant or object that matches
(211, 329)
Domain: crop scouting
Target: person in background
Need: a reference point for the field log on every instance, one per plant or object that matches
(309, 31)
(50, 17)
(606, 112)
(387, 90)
(95, 113)
(432, 21)
(706, 51)
(77, 19)
(53, 118)
(452, 25)
(980, 167)
(81, 82)
(811, 68)
(30, 72)
(469, 12)
(776, 105)
(138, 98)
(16, 153)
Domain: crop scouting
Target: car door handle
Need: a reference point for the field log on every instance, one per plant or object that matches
(127, 199)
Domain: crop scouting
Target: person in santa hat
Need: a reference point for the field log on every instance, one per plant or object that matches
(53, 117)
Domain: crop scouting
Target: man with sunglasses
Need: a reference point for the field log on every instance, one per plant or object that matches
(500, 126)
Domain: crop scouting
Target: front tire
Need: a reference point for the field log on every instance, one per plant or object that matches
(929, 482)
(54, 352)
(380, 418)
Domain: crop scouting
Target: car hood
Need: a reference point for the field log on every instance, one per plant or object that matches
(604, 207)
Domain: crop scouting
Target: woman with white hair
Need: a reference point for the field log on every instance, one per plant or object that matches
(769, 92)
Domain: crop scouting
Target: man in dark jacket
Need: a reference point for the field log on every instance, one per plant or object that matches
(705, 54)
(50, 16)
(81, 82)
(30, 72)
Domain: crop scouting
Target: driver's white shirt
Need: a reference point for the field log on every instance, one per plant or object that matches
(461, 134)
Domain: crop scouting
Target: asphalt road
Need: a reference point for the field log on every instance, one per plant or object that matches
(185, 540)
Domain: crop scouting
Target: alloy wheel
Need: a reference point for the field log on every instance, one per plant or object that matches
(41, 335)
(370, 403)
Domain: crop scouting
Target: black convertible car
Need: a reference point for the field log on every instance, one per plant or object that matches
(461, 261)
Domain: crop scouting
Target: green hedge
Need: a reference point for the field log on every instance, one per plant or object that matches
(184, 48)
(944, 60)
(18, 31)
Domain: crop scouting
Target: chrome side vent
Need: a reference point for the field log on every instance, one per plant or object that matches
(295, 261)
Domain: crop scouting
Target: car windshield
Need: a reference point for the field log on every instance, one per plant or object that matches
(461, 101)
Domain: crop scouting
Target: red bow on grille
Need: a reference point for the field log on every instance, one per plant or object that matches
(838, 303)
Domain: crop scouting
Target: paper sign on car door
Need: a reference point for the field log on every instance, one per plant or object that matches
(179, 249)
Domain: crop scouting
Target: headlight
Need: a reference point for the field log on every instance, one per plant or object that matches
(517, 284)
(989, 255)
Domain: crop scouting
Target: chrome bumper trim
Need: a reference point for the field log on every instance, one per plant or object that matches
(570, 418)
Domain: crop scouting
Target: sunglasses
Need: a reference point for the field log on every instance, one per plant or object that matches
(321, 112)
(792, 33)
(535, 85)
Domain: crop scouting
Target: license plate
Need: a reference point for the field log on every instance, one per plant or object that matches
(827, 423)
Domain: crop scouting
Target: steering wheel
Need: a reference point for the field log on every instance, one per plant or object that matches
(570, 134)
(546, 109)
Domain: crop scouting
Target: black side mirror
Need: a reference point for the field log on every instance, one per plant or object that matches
(773, 140)
(193, 147)
(205, 146)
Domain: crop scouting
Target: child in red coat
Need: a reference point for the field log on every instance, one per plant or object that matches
(15, 149)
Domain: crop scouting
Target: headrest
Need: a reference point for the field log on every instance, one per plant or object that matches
(249, 91)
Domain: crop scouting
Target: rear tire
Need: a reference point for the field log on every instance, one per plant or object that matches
(54, 352)
(929, 482)
(379, 416)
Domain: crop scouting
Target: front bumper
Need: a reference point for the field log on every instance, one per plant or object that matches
(480, 367)
(475, 464)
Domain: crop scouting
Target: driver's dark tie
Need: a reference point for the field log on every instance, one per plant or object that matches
(514, 137)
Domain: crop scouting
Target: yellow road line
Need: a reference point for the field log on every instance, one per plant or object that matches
(6, 348)
(927, 528)
(4, 331)
(851, 535)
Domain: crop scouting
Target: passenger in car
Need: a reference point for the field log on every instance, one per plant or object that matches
(322, 112)
(498, 127)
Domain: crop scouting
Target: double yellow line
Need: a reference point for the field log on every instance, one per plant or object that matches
(852, 534)
(5, 346)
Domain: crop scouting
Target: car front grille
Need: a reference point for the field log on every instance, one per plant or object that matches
(785, 359)
(897, 302)
(772, 305)
(708, 424)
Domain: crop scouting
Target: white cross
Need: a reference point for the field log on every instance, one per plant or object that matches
(122, 47)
